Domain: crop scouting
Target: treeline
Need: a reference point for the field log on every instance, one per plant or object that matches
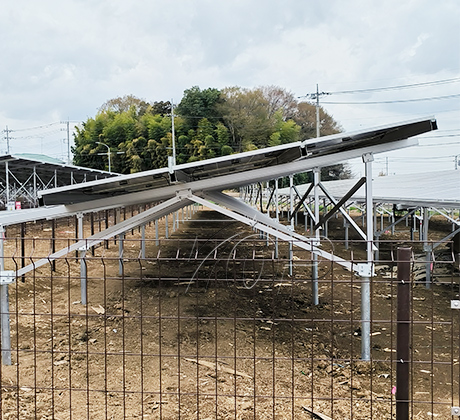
(207, 123)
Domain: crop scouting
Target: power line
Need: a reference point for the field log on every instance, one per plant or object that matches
(413, 85)
(394, 101)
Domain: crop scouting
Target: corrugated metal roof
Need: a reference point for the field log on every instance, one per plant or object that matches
(39, 158)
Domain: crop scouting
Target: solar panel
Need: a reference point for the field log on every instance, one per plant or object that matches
(423, 189)
(240, 169)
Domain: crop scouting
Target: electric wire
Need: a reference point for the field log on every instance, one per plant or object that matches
(457, 95)
(400, 87)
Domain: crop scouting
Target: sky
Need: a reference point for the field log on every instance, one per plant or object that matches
(61, 60)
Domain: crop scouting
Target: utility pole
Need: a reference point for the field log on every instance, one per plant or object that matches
(68, 141)
(315, 96)
(173, 134)
(7, 137)
(317, 112)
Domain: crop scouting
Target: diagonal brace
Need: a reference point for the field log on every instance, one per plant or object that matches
(338, 205)
(302, 200)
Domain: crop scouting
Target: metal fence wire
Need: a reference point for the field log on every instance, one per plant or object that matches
(219, 322)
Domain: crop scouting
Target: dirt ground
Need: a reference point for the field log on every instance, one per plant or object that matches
(219, 328)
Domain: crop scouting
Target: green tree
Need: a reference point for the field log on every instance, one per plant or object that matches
(197, 104)
(208, 123)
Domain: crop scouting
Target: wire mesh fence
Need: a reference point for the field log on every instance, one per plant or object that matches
(219, 322)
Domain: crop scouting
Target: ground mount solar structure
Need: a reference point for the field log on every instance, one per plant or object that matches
(23, 176)
(203, 182)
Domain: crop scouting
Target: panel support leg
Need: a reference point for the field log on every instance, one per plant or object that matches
(314, 268)
(366, 278)
(143, 242)
(4, 308)
(83, 277)
(121, 238)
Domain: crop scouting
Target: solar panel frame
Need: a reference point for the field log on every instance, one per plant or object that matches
(225, 171)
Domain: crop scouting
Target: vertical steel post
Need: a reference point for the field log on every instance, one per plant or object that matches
(23, 247)
(277, 214)
(121, 238)
(82, 256)
(314, 268)
(4, 308)
(106, 246)
(53, 242)
(7, 176)
(83, 277)
(347, 227)
(291, 211)
(366, 279)
(93, 250)
(403, 335)
(35, 187)
(427, 247)
(157, 239)
(143, 242)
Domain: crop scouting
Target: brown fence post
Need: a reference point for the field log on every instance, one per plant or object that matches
(403, 335)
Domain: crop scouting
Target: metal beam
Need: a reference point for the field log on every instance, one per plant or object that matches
(83, 201)
(246, 214)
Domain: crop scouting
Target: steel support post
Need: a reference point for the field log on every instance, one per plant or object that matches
(83, 277)
(53, 242)
(7, 176)
(4, 308)
(157, 239)
(428, 248)
(277, 214)
(366, 279)
(106, 245)
(82, 255)
(291, 209)
(314, 268)
(403, 335)
(326, 232)
(143, 242)
(121, 238)
(347, 228)
(35, 187)
(166, 227)
(23, 247)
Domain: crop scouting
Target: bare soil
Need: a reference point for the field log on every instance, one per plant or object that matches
(212, 325)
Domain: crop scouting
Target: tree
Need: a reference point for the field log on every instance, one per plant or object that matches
(197, 104)
(208, 123)
(124, 103)
(246, 114)
(305, 117)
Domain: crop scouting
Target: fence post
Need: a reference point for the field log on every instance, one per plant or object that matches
(403, 335)
(4, 308)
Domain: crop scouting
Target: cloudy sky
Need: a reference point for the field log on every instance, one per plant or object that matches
(61, 60)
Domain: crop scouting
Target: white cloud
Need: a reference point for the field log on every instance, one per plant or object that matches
(64, 59)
